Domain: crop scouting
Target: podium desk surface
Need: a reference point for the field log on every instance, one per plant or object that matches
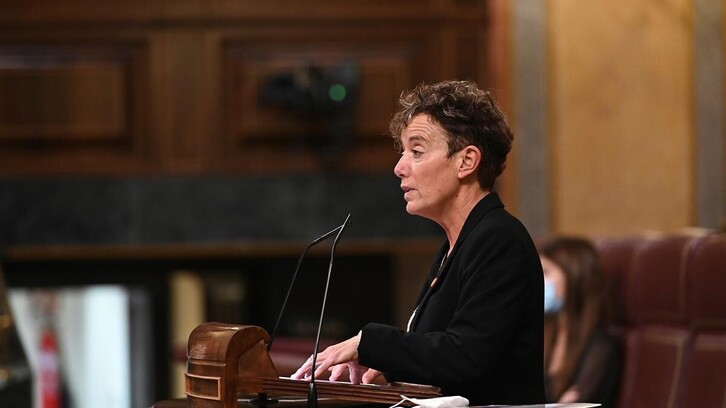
(182, 403)
(285, 403)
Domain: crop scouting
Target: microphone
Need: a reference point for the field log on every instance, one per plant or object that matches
(262, 397)
(312, 391)
(294, 276)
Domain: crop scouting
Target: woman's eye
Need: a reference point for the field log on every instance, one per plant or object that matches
(416, 153)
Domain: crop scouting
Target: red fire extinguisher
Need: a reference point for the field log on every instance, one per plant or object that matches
(50, 389)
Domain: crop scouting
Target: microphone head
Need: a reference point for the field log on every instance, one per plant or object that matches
(345, 223)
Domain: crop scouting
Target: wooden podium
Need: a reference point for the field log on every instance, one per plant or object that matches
(227, 362)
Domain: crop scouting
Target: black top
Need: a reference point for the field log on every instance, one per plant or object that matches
(479, 332)
(598, 370)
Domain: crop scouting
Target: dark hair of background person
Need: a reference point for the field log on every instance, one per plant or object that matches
(469, 115)
(584, 304)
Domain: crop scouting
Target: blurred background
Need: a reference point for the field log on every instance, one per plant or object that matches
(163, 162)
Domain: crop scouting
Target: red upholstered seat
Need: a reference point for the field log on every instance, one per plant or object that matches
(671, 291)
(706, 266)
(704, 382)
(654, 367)
(657, 341)
(617, 255)
(660, 280)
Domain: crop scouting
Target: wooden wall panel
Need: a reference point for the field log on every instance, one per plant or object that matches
(188, 104)
(50, 97)
(175, 86)
(73, 104)
(311, 9)
(22, 12)
(155, 11)
(386, 62)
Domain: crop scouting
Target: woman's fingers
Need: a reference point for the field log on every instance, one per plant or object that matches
(370, 376)
(336, 354)
(337, 371)
(304, 370)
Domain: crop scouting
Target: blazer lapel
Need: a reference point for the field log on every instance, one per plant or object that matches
(486, 204)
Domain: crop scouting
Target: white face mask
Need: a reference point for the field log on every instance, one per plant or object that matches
(552, 302)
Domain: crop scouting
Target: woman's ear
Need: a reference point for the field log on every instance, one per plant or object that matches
(470, 157)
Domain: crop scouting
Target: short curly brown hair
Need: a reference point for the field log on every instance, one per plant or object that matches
(469, 115)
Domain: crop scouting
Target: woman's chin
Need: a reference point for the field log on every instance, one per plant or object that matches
(413, 209)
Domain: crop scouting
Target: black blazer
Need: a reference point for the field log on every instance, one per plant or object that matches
(479, 332)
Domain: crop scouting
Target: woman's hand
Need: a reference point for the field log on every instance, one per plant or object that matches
(570, 395)
(358, 373)
(343, 352)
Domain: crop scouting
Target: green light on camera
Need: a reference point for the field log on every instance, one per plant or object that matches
(337, 92)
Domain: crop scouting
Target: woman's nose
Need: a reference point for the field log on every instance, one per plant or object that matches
(400, 169)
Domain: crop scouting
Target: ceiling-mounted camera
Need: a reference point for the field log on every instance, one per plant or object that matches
(323, 96)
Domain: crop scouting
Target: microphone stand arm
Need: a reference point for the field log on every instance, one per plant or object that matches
(313, 392)
(294, 276)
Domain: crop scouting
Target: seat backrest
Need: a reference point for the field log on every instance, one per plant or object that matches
(704, 382)
(616, 256)
(659, 275)
(658, 336)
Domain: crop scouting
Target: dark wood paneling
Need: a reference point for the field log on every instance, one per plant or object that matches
(176, 86)
(386, 60)
(327, 9)
(175, 11)
(22, 12)
(52, 94)
(74, 104)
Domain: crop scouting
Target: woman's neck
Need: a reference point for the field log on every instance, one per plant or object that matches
(459, 211)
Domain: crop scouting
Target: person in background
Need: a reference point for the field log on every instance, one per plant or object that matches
(582, 361)
(477, 328)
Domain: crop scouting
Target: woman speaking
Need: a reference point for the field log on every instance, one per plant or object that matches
(477, 328)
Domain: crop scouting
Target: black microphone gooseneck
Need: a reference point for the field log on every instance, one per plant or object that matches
(294, 276)
(312, 391)
(262, 399)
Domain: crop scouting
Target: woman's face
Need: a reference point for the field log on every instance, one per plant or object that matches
(554, 273)
(428, 177)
